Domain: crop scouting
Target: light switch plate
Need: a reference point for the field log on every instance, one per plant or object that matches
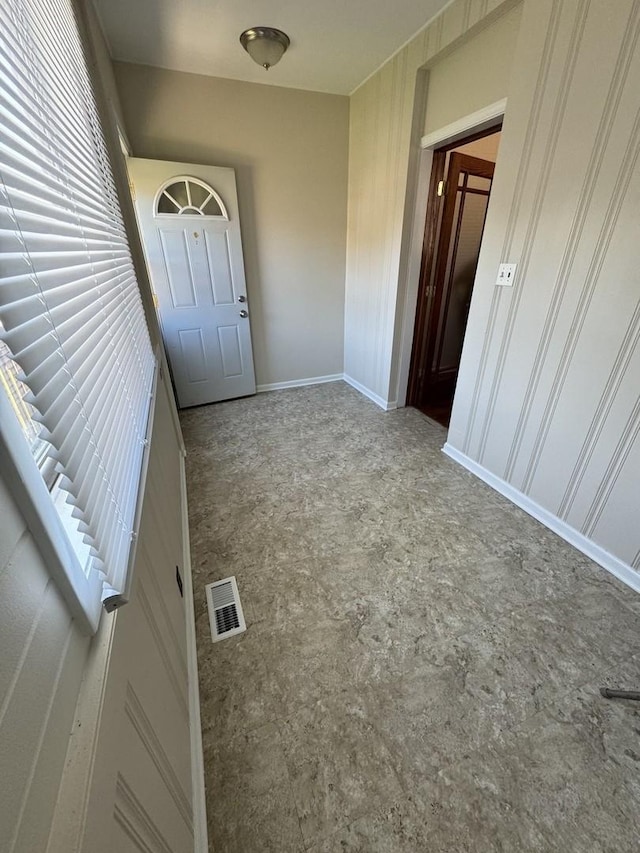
(506, 274)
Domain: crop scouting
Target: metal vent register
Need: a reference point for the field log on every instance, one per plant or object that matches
(225, 610)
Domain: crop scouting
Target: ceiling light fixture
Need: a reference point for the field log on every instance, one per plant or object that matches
(265, 45)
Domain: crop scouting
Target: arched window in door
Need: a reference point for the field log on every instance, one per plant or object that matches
(186, 196)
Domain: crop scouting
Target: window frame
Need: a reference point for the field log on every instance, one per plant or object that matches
(85, 593)
(25, 482)
(222, 217)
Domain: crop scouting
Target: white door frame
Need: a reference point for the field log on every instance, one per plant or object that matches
(474, 122)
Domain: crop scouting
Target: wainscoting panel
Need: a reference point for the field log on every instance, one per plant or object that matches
(547, 398)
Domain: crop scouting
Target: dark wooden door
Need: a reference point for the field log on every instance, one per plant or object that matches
(446, 287)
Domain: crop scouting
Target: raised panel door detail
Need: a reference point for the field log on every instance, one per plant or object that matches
(217, 244)
(230, 351)
(193, 354)
(175, 252)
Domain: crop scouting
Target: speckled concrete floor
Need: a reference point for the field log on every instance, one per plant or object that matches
(421, 667)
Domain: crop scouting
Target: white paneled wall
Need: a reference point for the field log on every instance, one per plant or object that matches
(43, 663)
(547, 405)
(40, 671)
(383, 131)
(547, 398)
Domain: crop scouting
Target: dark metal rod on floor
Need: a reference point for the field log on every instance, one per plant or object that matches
(620, 694)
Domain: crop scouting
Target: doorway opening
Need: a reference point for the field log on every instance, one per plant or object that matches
(459, 190)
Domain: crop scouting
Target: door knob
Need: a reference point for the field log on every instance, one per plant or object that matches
(242, 298)
(244, 313)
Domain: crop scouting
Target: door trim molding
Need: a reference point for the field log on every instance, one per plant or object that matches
(299, 383)
(199, 804)
(479, 120)
(587, 546)
(439, 263)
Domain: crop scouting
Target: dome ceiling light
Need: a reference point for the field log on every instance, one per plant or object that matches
(265, 45)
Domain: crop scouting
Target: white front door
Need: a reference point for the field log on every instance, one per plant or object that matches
(190, 229)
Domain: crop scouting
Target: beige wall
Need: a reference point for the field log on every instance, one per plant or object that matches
(474, 75)
(485, 148)
(289, 150)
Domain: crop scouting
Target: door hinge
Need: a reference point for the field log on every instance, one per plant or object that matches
(179, 582)
(430, 290)
(442, 188)
(155, 299)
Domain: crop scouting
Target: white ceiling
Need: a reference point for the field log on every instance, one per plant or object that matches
(335, 44)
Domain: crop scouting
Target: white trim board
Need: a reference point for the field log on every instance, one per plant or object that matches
(387, 406)
(299, 383)
(81, 593)
(199, 804)
(480, 120)
(612, 564)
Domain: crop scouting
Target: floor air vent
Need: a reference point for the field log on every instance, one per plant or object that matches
(225, 611)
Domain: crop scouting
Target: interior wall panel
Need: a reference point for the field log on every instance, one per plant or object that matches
(289, 150)
(40, 671)
(547, 397)
(382, 134)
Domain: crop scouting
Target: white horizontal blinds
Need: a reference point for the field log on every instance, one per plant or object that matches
(16, 391)
(69, 299)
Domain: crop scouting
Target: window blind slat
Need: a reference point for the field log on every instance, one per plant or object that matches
(35, 359)
(78, 348)
(93, 487)
(78, 455)
(80, 361)
(31, 195)
(57, 287)
(94, 403)
(64, 263)
(94, 390)
(69, 301)
(22, 156)
(23, 202)
(34, 241)
(69, 129)
(56, 223)
(42, 167)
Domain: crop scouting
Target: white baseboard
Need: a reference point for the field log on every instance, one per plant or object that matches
(388, 406)
(200, 835)
(612, 564)
(299, 383)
